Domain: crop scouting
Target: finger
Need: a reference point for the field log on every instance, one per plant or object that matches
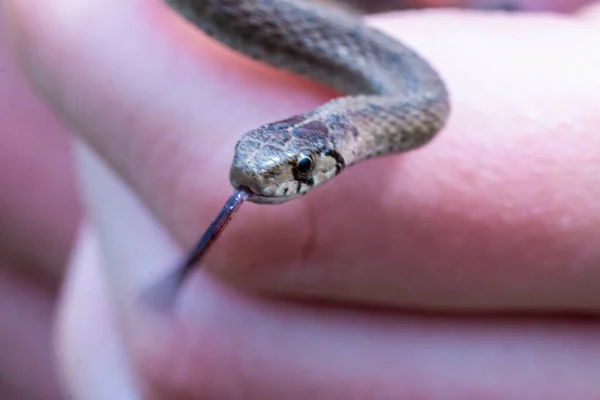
(39, 207)
(476, 219)
(265, 350)
(38, 214)
(27, 369)
(89, 348)
(225, 343)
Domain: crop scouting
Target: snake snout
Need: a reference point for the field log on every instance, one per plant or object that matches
(245, 180)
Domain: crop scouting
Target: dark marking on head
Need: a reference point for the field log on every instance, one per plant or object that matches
(340, 163)
(286, 137)
(287, 123)
(317, 126)
(285, 191)
(298, 187)
(309, 135)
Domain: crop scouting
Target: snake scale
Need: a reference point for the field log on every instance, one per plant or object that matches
(395, 101)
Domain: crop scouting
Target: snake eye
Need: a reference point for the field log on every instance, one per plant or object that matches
(304, 163)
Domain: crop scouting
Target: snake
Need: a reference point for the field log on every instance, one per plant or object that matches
(392, 99)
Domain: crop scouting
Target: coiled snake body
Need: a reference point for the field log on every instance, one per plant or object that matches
(395, 100)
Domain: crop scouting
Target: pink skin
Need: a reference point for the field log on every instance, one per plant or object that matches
(39, 215)
(500, 212)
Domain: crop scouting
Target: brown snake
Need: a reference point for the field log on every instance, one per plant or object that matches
(395, 100)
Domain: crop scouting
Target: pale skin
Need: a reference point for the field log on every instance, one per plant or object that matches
(500, 212)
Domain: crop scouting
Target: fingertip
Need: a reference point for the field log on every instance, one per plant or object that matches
(90, 355)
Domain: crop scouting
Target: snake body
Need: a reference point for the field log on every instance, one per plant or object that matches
(395, 101)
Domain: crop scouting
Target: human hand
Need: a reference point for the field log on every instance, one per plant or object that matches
(498, 213)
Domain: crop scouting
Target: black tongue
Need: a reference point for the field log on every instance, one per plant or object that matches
(161, 296)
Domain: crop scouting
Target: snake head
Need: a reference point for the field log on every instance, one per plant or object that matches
(283, 160)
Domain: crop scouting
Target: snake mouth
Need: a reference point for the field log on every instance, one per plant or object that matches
(249, 191)
(261, 192)
(261, 198)
(253, 195)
